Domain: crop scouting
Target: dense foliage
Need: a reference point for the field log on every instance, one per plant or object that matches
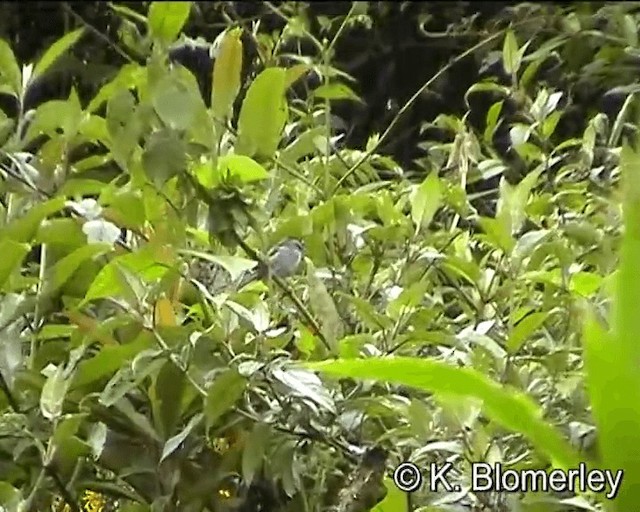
(468, 293)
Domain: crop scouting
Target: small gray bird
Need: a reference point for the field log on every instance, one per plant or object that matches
(283, 260)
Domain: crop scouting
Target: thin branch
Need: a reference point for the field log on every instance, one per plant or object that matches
(459, 58)
(97, 33)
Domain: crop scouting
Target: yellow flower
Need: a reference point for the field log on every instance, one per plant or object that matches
(93, 501)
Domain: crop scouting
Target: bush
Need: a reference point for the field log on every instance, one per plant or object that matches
(462, 302)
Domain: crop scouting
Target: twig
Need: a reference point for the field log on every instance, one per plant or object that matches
(97, 33)
(13, 403)
(412, 100)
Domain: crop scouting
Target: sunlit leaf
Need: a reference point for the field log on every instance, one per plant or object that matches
(13, 253)
(10, 73)
(53, 394)
(611, 357)
(263, 114)
(507, 407)
(226, 74)
(336, 91)
(166, 19)
(55, 51)
(425, 201)
(176, 441)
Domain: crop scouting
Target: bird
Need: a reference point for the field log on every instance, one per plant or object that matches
(283, 260)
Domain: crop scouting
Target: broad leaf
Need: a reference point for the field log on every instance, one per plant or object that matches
(611, 358)
(263, 114)
(13, 254)
(506, 406)
(10, 73)
(176, 441)
(55, 51)
(166, 19)
(425, 201)
(226, 74)
(227, 388)
(53, 394)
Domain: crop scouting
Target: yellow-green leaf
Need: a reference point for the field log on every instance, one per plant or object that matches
(295, 73)
(226, 74)
(611, 357)
(61, 272)
(510, 53)
(506, 406)
(12, 255)
(10, 73)
(324, 309)
(263, 114)
(24, 228)
(525, 328)
(425, 201)
(166, 19)
(55, 51)
(336, 91)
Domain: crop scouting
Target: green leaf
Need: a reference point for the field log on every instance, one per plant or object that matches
(144, 263)
(174, 443)
(513, 200)
(508, 407)
(10, 73)
(55, 114)
(254, 451)
(53, 394)
(226, 74)
(425, 201)
(227, 388)
(165, 155)
(11, 498)
(585, 284)
(55, 51)
(56, 276)
(527, 244)
(630, 30)
(611, 358)
(234, 265)
(263, 114)
(510, 54)
(13, 253)
(174, 103)
(497, 233)
(394, 501)
(11, 358)
(408, 300)
(367, 314)
(295, 73)
(524, 329)
(493, 119)
(126, 379)
(166, 19)
(24, 228)
(241, 168)
(120, 105)
(303, 145)
(307, 385)
(336, 91)
(324, 308)
(129, 76)
(108, 361)
(166, 395)
(64, 232)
